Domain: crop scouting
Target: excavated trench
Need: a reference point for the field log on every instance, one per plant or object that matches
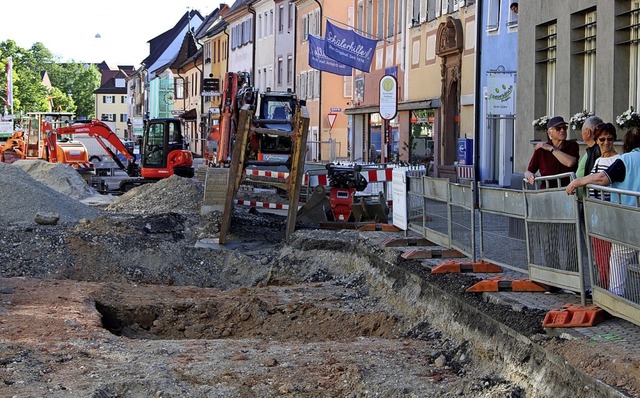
(280, 314)
(389, 299)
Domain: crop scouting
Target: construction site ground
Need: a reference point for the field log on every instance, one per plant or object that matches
(128, 297)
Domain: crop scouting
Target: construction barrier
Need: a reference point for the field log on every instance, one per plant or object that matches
(553, 236)
(613, 229)
(501, 224)
(539, 233)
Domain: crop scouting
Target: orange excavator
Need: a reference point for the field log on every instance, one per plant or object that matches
(35, 140)
(163, 153)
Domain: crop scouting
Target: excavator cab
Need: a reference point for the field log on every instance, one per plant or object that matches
(164, 150)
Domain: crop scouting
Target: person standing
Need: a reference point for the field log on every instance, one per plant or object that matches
(556, 156)
(605, 135)
(622, 174)
(592, 152)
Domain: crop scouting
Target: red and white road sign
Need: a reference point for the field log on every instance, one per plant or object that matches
(332, 118)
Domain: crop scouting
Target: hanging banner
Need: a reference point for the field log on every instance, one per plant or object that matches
(349, 48)
(501, 88)
(319, 61)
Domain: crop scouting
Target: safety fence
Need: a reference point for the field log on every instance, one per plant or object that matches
(538, 232)
(613, 229)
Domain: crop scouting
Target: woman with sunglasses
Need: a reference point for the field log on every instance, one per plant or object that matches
(622, 174)
(556, 156)
(605, 135)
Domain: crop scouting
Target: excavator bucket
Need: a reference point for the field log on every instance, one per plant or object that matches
(314, 210)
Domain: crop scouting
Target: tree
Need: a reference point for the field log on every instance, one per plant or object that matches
(73, 83)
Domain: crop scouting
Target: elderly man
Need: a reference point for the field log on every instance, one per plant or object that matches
(585, 165)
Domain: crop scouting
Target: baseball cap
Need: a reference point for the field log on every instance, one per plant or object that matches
(556, 121)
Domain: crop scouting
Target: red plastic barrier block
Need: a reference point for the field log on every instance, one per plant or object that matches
(571, 316)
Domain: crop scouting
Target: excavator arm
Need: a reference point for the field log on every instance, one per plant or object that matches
(103, 135)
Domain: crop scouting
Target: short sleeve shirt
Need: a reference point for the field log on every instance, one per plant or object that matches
(547, 164)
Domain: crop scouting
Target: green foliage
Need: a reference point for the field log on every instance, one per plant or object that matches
(73, 84)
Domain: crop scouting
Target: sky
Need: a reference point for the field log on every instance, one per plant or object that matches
(116, 31)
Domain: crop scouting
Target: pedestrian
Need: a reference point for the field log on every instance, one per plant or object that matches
(622, 174)
(592, 152)
(556, 156)
(605, 135)
(514, 7)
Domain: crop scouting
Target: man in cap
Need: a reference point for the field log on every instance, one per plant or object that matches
(555, 156)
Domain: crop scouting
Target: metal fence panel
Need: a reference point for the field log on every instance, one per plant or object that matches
(462, 223)
(554, 251)
(614, 248)
(502, 228)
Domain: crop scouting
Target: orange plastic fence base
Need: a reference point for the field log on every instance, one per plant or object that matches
(458, 267)
(499, 284)
(379, 227)
(431, 253)
(572, 316)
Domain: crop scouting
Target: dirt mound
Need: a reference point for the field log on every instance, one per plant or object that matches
(174, 194)
(22, 197)
(59, 176)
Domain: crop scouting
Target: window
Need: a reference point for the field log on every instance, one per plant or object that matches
(120, 82)
(270, 22)
(432, 10)
(369, 16)
(292, 13)
(108, 117)
(513, 18)
(124, 117)
(289, 69)
(281, 18)
(347, 86)
(360, 15)
(108, 99)
(493, 17)
(280, 70)
(415, 17)
(259, 26)
(123, 99)
(391, 18)
(380, 27)
(546, 63)
(634, 55)
(178, 88)
(587, 32)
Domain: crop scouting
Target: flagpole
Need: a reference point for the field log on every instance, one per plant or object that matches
(355, 29)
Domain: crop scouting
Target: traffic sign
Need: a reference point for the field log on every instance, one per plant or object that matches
(332, 119)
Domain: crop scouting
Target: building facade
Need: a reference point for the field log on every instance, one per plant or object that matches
(574, 56)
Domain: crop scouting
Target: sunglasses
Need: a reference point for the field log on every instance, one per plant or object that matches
(603, 139)
(561, 128)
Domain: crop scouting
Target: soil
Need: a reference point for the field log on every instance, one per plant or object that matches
(131, 297)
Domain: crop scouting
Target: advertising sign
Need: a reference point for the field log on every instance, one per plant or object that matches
(388, 97)
(319, 61)
(501, 87)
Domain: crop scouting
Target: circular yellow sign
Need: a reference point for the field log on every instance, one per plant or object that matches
(387, 84)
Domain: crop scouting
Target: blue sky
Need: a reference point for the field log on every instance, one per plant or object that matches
(124, 26)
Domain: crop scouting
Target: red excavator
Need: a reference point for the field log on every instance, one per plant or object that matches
(163, 151)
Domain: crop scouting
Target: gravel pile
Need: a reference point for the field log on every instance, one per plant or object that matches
(22, 196)
(174, 194)
(59, 176)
